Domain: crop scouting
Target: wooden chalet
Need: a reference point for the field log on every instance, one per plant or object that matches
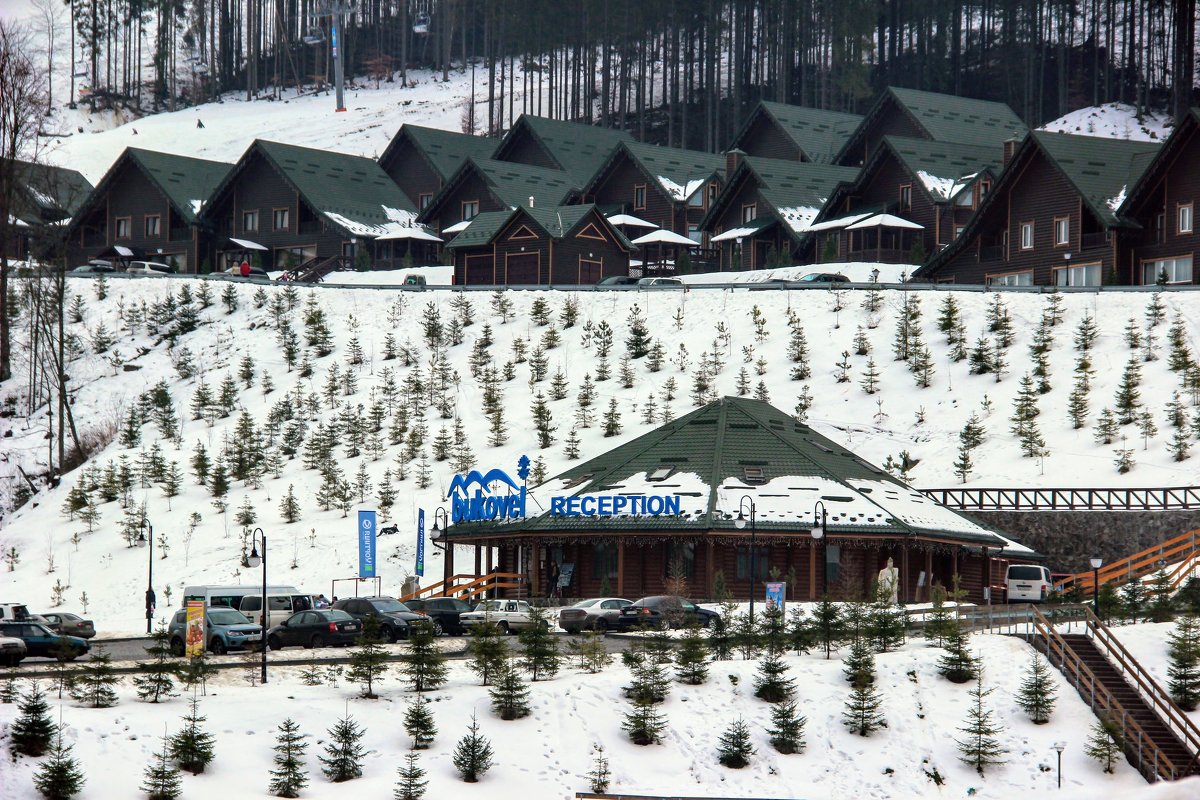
(767, 207)
(1162, 203)
(912, 198)
(794, 133)
(44, 200)
(573, 147)
(734, 456)
(148, 206)
(482, 184)
(1051, 218)
(669, 187)
(299, 208)
(421, 160)
(538, 246)
(928, 115)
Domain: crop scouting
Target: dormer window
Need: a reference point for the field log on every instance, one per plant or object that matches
(661, 473)
(754, 476)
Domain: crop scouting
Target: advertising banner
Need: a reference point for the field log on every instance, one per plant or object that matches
(366, 544)
(194, 635)
(421, 542)
(776, 594)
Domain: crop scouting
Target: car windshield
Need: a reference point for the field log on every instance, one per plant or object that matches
(490, 605)
(226, 616)
(585, 604)
(389, 606)
(334, 615)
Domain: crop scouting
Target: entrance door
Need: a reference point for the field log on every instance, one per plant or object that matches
(590, 270)
(479, 271)
(522, 268)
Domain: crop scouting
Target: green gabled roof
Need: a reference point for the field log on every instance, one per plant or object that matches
(579, 149)
(679, 167)
(50, 193)
(943, 167)
(515, 183)
(795, 190)
(556, 221)
(949, 118)
(714, 456)
(1146, 180)
(353, 189)
(483, 227)
(819, 134)
(1101, 170)
(445, 150)
(187, 182)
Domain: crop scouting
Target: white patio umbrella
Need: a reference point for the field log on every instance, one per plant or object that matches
(885, 221)
(663, 237)
(456, 227)
(631, 221)
(409, 232)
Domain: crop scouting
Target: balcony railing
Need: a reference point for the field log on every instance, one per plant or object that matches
(1090, 240)
(991, 252)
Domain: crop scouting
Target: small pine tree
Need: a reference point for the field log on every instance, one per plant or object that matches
(787, 728)
(600, 777)
(419, 724)
(539, 646)
(828, 626)
(94, 685)
(939, 622)
(289, 775)
(473, 754)
(510, 695)
(980, 748)
(368, 661)
(644, 724)
(33, 730)
(862, 714)
(1104, 744)
(410, 783)
(424, 664)
(734, 748)
(691, 657)
(957, 665)
(1183, 671)
(612, 419)
(60, 777)
(192, 747)
(859, 664)
(771, 682)
(1037, 693)
(153, 680)
(487, 651)
(344, 751)
(161, 779)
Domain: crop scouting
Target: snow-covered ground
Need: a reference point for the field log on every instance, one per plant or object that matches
(1114, 121)
(547, 756)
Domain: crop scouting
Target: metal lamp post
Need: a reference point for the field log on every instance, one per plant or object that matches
(740, 524)
(1096, 562)
(820, 520)
(148, 541)
(1059, 747)
(254, 559)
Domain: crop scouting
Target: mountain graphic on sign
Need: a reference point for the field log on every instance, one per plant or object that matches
(463, 483)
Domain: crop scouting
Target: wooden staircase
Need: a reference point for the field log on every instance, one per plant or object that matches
(1179, 555)
(470, 587)
(315, 269)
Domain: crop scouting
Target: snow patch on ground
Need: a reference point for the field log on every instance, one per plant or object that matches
(1114, 121)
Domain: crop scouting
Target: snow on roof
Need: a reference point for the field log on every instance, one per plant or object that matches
(41, 197)
(734, 233)
(798, 218)
(839, 222)
(1114, 121)
(1115, 202)
(691, 489)
(196, 205)
(679, 192)
(398, 218)
(916, 510)
(942, 188)
(793, 498)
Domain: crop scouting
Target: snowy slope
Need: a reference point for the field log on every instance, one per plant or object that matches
(1114, 121)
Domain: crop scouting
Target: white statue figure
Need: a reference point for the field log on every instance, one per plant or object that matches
(889, 582)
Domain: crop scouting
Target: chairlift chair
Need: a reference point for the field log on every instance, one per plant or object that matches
(81, 70)
(314, 36)
(421, 24)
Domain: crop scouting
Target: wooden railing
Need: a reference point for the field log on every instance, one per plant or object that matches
(1179, 556)
(1050, 499)
(469, 587)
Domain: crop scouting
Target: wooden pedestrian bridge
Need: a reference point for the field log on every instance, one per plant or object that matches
(1020, 499)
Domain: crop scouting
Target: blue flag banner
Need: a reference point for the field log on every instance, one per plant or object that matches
(421, 542)
(366, 544)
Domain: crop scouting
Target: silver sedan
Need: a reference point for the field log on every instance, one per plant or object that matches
(597, 613)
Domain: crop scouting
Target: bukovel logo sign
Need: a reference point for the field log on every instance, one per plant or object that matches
(472, 499)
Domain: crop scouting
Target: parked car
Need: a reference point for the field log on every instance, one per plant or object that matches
(598, 614)
(70, 624)
(414, 280)
(509, 616)
(95, 268)
(41, 642)
(663, 611)
(56, 627)
(444, 612)
(824, 277)
(1027, 583)
(392, 615)
(618, 280)
(770, 283)
(12, 650)
(14, 611)
(224, 630)
(149, 268)
(660, 283)
(315, 628)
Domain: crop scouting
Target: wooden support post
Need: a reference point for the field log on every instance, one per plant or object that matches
(478, 560)
(929, 573)
(620, 567)
(812, 571)
(987, 575)
(447, 567)
(535, 582)
(709, 570)
(905, 597)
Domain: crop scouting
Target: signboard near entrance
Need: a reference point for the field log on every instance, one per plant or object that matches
(776, 595)
(194, 634)
(366, 544)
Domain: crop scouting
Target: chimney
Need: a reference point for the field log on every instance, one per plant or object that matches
(733, 159)
(1010, 148)
(531, 201)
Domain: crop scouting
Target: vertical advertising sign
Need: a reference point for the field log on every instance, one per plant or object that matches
(776, 592)
(366, 544)
(194, 633)
(421, 542)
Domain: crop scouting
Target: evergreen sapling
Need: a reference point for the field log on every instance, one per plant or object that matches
(289, 775)
(344, 752)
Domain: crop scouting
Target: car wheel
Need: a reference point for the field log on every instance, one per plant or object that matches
(218, 647)
(274, 643)
(316, 641)
(177, 647)
(437, 628)
(601, 625)
(705, 621)
(389, 634)
(503, 626)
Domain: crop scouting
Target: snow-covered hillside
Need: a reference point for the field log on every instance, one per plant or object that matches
(1114, 121)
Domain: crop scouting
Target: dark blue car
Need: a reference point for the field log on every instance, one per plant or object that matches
(45, 643)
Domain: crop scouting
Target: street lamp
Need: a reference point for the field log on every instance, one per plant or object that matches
(1096, 562)
(740, 524)
(441, 521)
(253, 560)
(1059, 747)
(148, 541)
(818, 533)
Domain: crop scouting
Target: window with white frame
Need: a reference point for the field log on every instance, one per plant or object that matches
(697, 199)
(1185, 218)
(470, 209)
(1011, 279)
(249, 221)
(749, 212)
(1082, 275)
(906, 197)
(639, 197)
(1062, 231)
(1170, 270)
(1026, 235)
(958, 230)
(694, 233)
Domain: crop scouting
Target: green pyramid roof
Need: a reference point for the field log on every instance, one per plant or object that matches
(555, 221)
(579, 149)
(445, 150)
(949, 118)
(819, 134)
(674, 169)
(46, 193)
(1101, 170)
(187, 182)
(514, 183)
(796, 191)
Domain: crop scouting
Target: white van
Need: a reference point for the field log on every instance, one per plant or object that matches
(282, 601)
(1027, 583)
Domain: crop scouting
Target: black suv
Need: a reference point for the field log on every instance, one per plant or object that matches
(392, 615)
(443, 612)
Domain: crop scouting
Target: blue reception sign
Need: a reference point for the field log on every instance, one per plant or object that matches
(421, 542)
(366, 544)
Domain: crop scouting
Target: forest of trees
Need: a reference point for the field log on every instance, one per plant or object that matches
(680, 71)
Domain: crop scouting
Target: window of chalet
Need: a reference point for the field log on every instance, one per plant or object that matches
(1160, 224)
(712, 193)
(604, 560)
(694, 234)
(762, 556)
(1081, 275)
(1062, 231)
(697, 199)
(984, 188)
(249, 222)
(279, 219)
(1012, 279)
(1171, 270)
(958, 230)
(906, 197)
(965, 199)
(679, 559)
(423, 200)
(749, 212)
(124, 227)
(1185, 218)
(639, 197)
(153, 226)
(470, 209)
(1026, 235)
